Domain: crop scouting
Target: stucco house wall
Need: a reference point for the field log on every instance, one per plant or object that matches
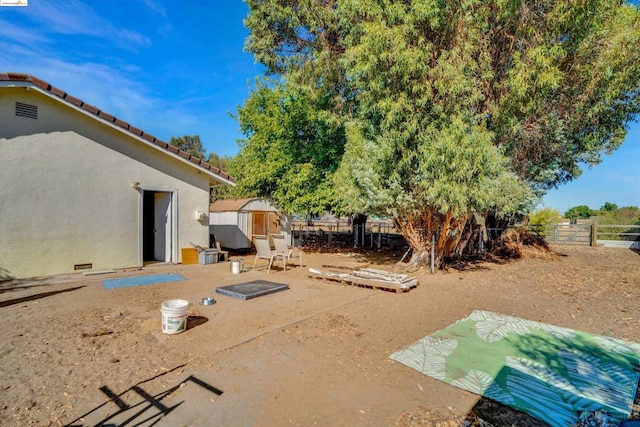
(72, 190)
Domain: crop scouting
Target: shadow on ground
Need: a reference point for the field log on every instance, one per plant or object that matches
(193, 321)
(36, 296)
(5, 275)
(136, 405)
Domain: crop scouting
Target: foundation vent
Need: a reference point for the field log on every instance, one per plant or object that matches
(88, 266)
(26, 110)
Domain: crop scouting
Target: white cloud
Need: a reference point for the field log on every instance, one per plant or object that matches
(154, 7)
(19, 35)
(75, 17)
(69, 45)
(118, 90)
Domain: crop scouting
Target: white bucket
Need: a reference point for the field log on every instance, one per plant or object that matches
(237, 266)
(174, 316)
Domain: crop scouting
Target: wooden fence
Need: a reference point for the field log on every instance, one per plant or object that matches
(377, 233)
(566, 234)
(380, 233)
(621, 236)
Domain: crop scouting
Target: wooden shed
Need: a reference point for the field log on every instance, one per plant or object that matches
(233, 221)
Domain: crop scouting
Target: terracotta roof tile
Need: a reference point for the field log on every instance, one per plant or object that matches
(108, 117)
(90, 108)
(73, 100)
(36, 81)
(161, 143)
(122, 123)
(57, 91)
(135, 130)
(148, 137)
(21, 77)
(18, 76)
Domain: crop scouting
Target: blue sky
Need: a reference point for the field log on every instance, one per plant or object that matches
(171, 68)
(176, 68)
(616, 179)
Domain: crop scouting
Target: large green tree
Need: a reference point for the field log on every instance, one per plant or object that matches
(582, 211)
(609, 207)
(291, 151)
(453, 108)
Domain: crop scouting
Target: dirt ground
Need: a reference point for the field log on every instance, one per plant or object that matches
(74, 353)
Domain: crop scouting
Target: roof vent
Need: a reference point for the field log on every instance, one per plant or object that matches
(26, 110)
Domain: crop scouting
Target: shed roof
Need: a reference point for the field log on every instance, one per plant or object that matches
(27, 80)
(229, 205)
(236, 205)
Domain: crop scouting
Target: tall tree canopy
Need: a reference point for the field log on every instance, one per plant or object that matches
(609, 207)
(194, 146)
(190, 144)
(582, 211)
(217, 161)
(451, 108)
(291, 152)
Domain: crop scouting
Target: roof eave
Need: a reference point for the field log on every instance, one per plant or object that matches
(118, 125)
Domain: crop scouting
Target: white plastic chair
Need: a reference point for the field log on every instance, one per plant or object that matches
(263, 250)
(283, 249)
(222, 255)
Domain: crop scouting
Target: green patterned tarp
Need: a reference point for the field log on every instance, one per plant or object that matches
(549, 372)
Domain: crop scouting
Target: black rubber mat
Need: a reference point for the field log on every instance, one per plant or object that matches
(249, 290)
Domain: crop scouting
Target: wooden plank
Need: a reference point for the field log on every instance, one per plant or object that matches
(350, 266)
(352, 278)
(385, 276)
(357, 281)
(359, 284)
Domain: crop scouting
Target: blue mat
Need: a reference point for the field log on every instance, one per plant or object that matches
(150, 279)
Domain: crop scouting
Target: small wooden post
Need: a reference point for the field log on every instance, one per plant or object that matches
(433, 254)
(372, 235)
(594, 234)
(355, 236)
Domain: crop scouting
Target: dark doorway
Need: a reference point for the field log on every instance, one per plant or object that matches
(157, 226)
(147, 225)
